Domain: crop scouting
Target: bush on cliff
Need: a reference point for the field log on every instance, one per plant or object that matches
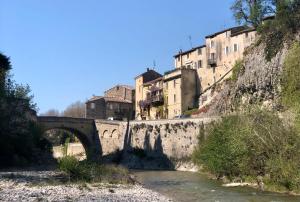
(250, 145)
(290, 81)
(237, 69)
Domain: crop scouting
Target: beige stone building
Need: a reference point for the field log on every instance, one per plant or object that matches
(214, 60)
(149, 95)
(117, 103)
(181, 91)
(196, 71)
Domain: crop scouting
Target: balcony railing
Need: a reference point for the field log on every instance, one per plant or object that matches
(152, 100)
(157, 99)
(212, 62)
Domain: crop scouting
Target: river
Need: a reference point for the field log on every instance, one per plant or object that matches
(188, 186)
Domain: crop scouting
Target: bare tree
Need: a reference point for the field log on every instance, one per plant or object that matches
(75, 110)
(51, 112)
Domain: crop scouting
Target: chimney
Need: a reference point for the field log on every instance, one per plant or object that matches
(148, 69)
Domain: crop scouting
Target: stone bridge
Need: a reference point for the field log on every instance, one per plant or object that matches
(175, 139)
(84, 129)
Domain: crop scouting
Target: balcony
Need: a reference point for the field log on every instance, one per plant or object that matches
(145, 103)
(212, 62)
(157, 99)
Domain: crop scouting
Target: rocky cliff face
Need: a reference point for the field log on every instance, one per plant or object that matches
(258, 82)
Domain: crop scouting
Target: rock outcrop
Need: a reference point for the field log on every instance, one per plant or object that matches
(258, 83)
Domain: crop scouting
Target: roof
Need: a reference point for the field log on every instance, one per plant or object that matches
(124, 86)
(116, 99)
(189, 51)
(249, 29)
(154, 81)
(234, 30)
(109, 99)
(149, 75)
(179, 69)
(94, 98)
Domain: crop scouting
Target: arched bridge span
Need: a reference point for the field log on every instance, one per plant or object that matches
(84, 129)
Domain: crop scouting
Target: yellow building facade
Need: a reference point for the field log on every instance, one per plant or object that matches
(214, 60)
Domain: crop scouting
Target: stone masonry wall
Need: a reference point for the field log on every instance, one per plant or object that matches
(175, 139)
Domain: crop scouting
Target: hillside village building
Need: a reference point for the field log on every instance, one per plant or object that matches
(196, 71)
(214, 60)
(149, 95)
(180, 89)
(166, 96)
(117, 103)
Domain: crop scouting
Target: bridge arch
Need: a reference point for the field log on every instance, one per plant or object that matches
(115, 134)
(84, 130)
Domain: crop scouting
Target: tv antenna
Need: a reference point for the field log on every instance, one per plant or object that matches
(154, 64)
(190, 40)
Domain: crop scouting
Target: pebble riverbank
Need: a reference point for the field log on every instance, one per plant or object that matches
(44, 186)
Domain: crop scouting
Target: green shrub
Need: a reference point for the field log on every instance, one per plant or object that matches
(92, 172)
(249, 145)
(290, 93)
(274, 33)
(237, 69)
(75, 170)
(291, 77)
(191, 111)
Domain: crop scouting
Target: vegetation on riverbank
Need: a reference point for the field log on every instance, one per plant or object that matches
(85, 171)
(21, 141)
(257, 143)
(252, 144)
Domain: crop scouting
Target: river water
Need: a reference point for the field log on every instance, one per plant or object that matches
(187, 186)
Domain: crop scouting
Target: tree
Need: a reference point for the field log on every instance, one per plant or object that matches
(252, 12)
(21, 140)
(5, 66)
(51, 112)
(75, 110)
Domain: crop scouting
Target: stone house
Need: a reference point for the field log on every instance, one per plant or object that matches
(149, 95)
(181, 91)
(117, 103)
(214, 60)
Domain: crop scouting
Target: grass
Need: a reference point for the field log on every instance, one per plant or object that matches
(85, 171)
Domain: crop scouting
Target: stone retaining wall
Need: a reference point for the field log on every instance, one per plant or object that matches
(176, 139)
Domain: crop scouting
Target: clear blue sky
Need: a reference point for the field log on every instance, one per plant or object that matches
(68, 50)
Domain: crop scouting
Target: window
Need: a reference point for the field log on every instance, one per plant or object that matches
(174, 83)
(199, 51)
(212, 44)
(174, 98)
(178, 58)
(93, 105)
(226, 50)
(235, 47)
(196, 65)
(246, 34)
(188, 56)
(200, 64)
(189, 66)
(213, 56)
